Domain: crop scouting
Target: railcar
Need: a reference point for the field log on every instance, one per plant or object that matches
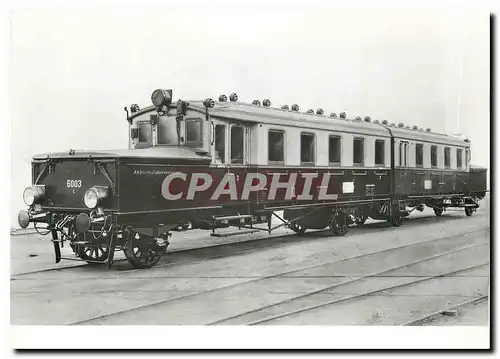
(210, 164)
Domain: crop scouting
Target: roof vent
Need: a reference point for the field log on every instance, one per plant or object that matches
(385, 122)
(134, 108)
(401, 125)
(421, 129)
(407, 127)
(357, 118)
(222, 98)
(415, 127)
(295, 107)
(368, 119)
(320, 112)
(256, 102)
(333, 115)
(343, 115)
(428, 129)
(376, 121)
(233, 97)
(266, 103)
(285, 107)
(310, 111)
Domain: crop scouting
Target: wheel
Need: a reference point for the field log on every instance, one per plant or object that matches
(141, 253)
(469, 211)
(396, 220)
(298, 228)
(91, 252)
(339, 225)
(360, 218)
(438, 211)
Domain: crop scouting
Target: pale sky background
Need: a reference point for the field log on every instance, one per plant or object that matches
(72, 72)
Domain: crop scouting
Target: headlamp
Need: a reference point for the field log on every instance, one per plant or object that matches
(33, 194)
(94, 195)
(161, 97)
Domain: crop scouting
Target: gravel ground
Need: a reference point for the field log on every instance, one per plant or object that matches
(210, 290)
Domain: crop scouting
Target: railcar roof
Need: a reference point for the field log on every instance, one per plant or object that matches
(276, 116)
(271, 115)
(425, 136)
(246, 112)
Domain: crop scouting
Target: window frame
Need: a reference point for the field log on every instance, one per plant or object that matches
(419, 145)
(383, 153)
(193, 143)
(461, 166)
(339, 162)
(436, 152)
(283, 132)
(139, 123)
(447, 149)
(363, 153)
(225, 141)
(230, 140)
(313, 150)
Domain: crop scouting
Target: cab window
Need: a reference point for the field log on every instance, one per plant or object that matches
(145, 134)
(236, 144)
(166, 131)
(194, 132)
(220, 142)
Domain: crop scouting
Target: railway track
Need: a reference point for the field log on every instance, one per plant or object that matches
(363, 295)
(193, 255)
(291, 273)
(427, 317)
(277, 306)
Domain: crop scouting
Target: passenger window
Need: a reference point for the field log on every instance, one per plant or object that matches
(334, 150)
(379, 152)
(194, 132)
(236, 144)
(446, 157)
(434, 156)
(307, 148)
(359, 151)
(145, 134)
(419, 155)
(459, 158)
(276, 146)
(220, 142)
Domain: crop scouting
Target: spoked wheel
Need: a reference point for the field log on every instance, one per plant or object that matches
(141, 253)
(469, 211)
(298, 227)
(340, 224)
(438, 211)
(91, 252)
(396, 220)
(360, 218)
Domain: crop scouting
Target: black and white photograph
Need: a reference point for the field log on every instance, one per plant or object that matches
(254, 167)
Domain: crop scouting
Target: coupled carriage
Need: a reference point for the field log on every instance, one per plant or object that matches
(211, 164)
